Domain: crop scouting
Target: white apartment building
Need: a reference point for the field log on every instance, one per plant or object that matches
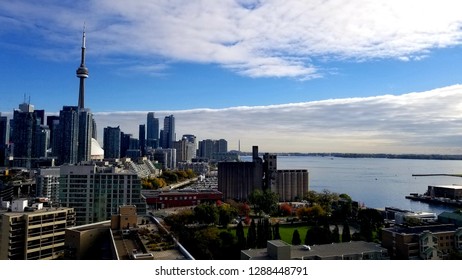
(96, 190)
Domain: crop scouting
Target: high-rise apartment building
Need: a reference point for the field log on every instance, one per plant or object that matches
(85, 135)
(41, 141)
(185, 148)
(47, 183)
(112, 142)
(97, 191)
(168, 133)
(67, 138)
(4, 139)
(142, 138)
(37, 234)
(212, 149)
(52, 123)
(25, 124)
(152, 131)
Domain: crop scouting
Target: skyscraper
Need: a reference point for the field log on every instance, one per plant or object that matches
(4, 139)
(168, 133)
(152, 126)
(66, 144)
(24, 129)
(112, 142)
(85, 134)
(142, 138)
(52, 123)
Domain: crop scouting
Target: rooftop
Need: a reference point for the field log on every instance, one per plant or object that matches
(325, 251)
(454, 187)
(432, 227)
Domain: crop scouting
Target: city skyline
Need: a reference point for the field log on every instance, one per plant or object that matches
(298, 77)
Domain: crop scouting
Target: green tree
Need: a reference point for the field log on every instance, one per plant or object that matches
(252, 235)
(336, 234)
(313, 213)
(318, 235)
(346, 235)
(268, 231)
(240, 236)
(206, 213)
(263, 201)
(228, 249)
(225, 214)
(206, 243)
(296, 238)
(276, 233)
(261, 238)
(311, 197)
(370, 222)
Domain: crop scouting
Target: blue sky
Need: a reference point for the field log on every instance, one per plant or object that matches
(222, 67)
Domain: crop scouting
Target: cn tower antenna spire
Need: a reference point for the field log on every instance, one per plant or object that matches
(82, 73)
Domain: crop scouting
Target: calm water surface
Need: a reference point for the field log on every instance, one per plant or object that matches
(376, 182)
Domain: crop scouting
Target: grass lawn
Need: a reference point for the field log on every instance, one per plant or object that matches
(286, 232)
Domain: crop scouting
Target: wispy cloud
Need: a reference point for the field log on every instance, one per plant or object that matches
(423, 122)
(270, 38)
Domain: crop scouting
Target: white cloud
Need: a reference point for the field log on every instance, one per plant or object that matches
(423, 122)
(272, 38)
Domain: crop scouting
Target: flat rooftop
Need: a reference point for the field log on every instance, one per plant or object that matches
(434, 228)
(324, 251)
(454, 187)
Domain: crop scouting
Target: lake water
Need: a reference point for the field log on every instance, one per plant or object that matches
(376, 182)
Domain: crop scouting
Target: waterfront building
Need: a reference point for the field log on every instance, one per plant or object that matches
(291, 185)
(426, 241)
(445, 191)
(354, 250)
(152, 131)
(454, 217)
(112, 142)
(238, 179)
(96, 189)
(34, 233)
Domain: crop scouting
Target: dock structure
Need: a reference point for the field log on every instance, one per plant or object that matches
(450, 195)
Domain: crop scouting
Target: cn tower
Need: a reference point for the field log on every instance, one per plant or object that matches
(82, 74)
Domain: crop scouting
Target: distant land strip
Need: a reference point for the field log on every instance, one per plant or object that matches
(423, 175)
(365, 155)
